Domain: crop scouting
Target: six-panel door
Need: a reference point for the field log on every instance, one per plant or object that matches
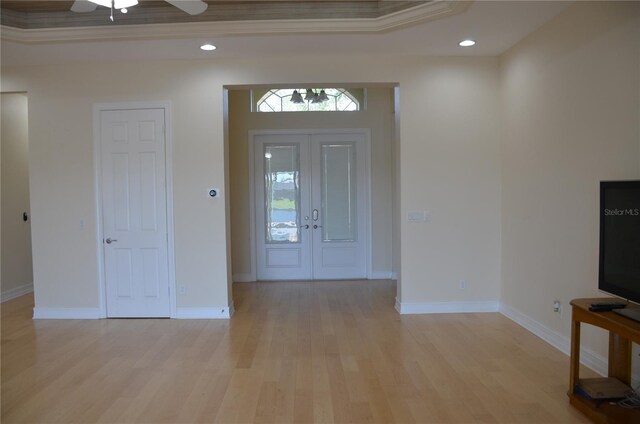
(134, 213)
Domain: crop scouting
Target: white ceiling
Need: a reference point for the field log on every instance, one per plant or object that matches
(495, 25)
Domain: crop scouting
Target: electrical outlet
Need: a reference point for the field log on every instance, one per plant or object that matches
(182, 289)
(462, 284)
(557, 307)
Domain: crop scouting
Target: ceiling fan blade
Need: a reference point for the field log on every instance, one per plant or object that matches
(83, 6)
(192, 7)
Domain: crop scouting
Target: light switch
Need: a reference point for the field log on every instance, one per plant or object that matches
(416, 216)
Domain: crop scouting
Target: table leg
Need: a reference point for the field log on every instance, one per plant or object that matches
(619, 358)
(575, 355)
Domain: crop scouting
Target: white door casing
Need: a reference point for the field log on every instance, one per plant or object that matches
(134, 212)
(332, 188)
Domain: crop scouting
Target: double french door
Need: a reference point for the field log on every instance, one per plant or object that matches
(311, 205)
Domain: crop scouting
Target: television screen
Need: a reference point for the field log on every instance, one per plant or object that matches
(620, 239)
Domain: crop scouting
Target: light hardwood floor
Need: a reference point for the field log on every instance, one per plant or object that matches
(293, 352)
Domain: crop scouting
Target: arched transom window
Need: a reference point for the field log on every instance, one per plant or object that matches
(308, 100)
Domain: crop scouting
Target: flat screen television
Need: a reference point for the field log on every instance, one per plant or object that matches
(620, 241)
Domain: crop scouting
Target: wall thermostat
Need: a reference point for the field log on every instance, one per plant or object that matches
(214, 192)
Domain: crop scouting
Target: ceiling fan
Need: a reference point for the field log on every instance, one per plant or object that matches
(192, 7)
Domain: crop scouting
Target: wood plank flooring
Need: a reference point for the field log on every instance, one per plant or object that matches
(326, 352)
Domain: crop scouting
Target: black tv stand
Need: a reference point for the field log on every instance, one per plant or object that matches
(633, 314)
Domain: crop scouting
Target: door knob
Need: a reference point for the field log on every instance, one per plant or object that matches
(315, 227)
(306, 227)
(110, 240)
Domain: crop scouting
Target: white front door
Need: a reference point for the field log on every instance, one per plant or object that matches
(283, 225)
(339, 199)
(311, 206)
(134, 212)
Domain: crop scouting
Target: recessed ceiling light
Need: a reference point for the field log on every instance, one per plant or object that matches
(467, 43)
(207, 47)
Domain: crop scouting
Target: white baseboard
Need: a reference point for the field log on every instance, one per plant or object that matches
(94, 313)
(16, 292)
(381, 275)
(243, 278)
(375, 275)
(596, 362)
(66, 313)
(446, 307)
(222, 312)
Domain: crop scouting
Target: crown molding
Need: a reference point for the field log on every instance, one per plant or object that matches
(437, 9)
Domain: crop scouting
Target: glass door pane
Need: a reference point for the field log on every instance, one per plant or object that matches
(282, 194)
(338, 173)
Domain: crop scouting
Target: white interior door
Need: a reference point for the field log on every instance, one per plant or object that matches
(134, 213)
(311, 206)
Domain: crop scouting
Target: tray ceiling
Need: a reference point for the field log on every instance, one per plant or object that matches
(496, 25)
(26, 14)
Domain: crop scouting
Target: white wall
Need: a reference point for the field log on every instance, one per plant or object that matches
(62, 176)
(377, 117)
(16, 274)
(570, 108)
(396, 215)
(449, 163)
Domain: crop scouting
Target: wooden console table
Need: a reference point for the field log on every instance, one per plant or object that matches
(622, 333)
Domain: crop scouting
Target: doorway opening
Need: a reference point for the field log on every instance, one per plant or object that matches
(16, 265)
(334, 170)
